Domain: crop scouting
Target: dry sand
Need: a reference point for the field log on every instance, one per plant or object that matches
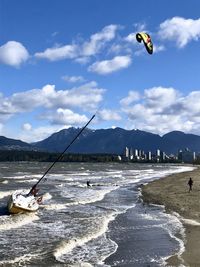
(173, 193)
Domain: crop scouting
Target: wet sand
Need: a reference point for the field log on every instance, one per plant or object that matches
(173, 193)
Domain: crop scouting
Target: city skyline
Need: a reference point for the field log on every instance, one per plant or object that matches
(183, 155)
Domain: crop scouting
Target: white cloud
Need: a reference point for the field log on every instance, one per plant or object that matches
(161, 110)
(26, 126)
(13, 53)
(158, 48)
(80, 52)
(59, 53)
(73, 79)
(87, 96)
(109, 66)
(108, 115)
(39, 133)
(1, 128)
(98, 40)
(131, 38)
(142, 50)
(159, 97)
(66, 117)
(82, 60)
(180, 30)
(132, 97)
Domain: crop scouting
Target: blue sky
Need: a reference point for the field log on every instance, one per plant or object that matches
(61, 61)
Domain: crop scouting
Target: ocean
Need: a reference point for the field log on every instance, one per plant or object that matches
(105, 224)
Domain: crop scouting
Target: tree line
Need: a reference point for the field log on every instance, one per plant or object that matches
(19, 155)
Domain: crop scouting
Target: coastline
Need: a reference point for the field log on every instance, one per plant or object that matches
(173, 192)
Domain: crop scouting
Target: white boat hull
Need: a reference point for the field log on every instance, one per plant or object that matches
(19, 202)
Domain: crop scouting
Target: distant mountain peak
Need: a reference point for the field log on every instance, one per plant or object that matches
(111, 140)
(114, 140)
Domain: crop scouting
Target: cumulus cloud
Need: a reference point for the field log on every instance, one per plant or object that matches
(86, 96)
(180, 30)
(73, 79)
(108, 115)
(13, 53)
(39, 133)
(26, 126)
(159, 97)
(109, 66)
(161, 110)
(56, 107)
(98, 40)
(59, 53)
(66, 117)
(80, 51)
(132, 97)
(158, 48)
(131, 38)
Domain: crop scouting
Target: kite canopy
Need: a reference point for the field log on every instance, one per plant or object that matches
(146, 38)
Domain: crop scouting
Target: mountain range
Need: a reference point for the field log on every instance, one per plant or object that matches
(111, 141)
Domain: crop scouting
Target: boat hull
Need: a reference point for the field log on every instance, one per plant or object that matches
(19, 203)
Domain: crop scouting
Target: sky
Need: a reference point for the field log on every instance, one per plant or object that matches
(61, 61)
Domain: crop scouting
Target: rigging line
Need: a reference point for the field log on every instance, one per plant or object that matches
(60, 156)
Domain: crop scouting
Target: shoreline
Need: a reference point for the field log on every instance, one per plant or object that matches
(173, 192)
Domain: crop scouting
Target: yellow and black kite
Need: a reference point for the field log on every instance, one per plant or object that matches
(146, 38)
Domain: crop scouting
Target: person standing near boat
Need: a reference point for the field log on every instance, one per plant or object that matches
(34, 191)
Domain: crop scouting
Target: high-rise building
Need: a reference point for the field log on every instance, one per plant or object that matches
(186, 155)
(136, 153)
(149, 157)
(127, 152)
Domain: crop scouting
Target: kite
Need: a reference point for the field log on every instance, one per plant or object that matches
(145, 37)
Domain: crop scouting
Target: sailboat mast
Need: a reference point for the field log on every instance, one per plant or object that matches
(60, 156)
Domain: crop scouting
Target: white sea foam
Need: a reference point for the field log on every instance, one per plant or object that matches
(81, 264)
(150, 217)
(67, 246)
(6, 193)
(18, 177)
(186, 221)
(28, 181)
(173, 229)
(47, 196)
(74, 203)
(19, 260)
(16, 221)
(54, 206)
(191, 222)
(94, 196)
(79, 174)
(87, 195)
(5, 182)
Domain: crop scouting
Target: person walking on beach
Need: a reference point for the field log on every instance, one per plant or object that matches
(190, 183)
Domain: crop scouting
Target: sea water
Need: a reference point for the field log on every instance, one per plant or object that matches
(83, 226)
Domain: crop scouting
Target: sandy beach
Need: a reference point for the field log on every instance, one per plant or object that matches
(173, 193)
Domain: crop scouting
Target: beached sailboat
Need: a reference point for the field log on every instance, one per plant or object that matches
(27, 200)
(20, 202)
